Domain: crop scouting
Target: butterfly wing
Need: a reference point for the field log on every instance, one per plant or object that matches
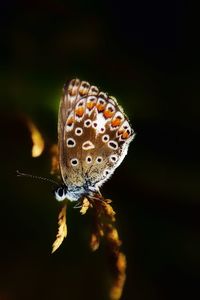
(72, 92)
(94, 135)
(111, 134)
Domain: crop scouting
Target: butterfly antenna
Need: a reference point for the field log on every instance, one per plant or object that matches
(20, 174)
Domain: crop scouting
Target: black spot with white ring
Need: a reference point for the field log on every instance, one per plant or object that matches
(87, 123)
(71, 143)
(113, 145)
(74, 162)
(105, 138)
(102, 130)
(113, 158)
(88, 159)
(78, 131)
(106, 172)
(99, 159)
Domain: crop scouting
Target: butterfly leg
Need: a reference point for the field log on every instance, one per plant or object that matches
(78, 204)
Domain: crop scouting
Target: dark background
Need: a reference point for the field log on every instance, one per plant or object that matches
(146, 54)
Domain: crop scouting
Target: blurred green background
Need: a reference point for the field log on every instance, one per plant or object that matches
(146, 54)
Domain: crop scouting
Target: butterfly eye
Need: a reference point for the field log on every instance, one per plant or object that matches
(60, 193)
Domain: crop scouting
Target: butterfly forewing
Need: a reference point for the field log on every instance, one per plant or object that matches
(94, 135)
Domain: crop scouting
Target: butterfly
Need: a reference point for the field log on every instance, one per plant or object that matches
(93, 138)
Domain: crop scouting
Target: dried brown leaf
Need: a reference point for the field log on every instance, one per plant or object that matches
(62, 229)
(108, 201)
(54, 159)
(37, 139)
(113, 237)
(85, 206)
(105, 222)
(109, 211)
(118, 283)
(94, 241)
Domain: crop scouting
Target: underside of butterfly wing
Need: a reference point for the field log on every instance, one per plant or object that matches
(94, 135)
(72, 93)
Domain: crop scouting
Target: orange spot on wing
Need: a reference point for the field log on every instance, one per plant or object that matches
(70, 121)
(108, 114)
(90, 105)
(125, 135)
(83, 91)
(120, 131)
(79, 111)
(116, 122)
(100, 107)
